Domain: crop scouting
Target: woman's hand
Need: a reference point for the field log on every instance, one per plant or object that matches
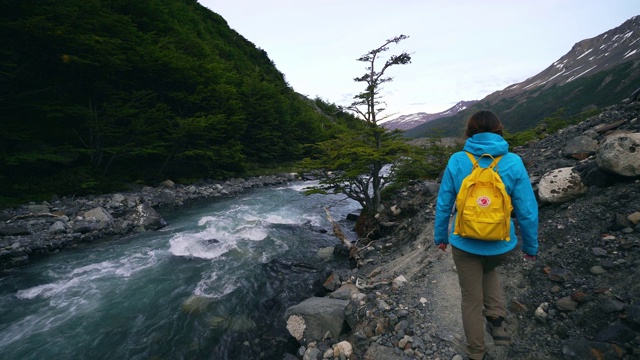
(442, 246)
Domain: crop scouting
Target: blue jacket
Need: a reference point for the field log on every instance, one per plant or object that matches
(516, 180)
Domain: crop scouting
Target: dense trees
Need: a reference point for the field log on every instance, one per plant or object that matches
(95, 93)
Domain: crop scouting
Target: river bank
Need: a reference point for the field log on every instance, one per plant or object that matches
(45, 228)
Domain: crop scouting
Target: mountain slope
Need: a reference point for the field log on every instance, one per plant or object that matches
(94, 94)
(596, 72)
(585, 58)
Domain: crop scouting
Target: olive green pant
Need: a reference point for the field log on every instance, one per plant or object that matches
(481, 295)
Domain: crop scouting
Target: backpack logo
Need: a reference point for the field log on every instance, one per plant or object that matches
(483, 201)
(483, 205)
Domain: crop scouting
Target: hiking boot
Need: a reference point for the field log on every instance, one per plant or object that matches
(498, 330)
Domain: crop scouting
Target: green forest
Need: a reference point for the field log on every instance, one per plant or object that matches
(96, 94)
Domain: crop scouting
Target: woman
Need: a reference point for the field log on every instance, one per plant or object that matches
(476, 260)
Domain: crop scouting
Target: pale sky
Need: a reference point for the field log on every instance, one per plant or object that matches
(461, 49)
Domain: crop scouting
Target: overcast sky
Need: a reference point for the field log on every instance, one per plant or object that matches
(461, 50)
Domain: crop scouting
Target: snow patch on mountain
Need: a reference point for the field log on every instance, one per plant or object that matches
(410, 121)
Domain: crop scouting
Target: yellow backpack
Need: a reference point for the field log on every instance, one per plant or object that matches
(483, 205)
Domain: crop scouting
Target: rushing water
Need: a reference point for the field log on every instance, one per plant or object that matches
(214, 284)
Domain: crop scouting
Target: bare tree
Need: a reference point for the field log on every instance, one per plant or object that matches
(354, 161)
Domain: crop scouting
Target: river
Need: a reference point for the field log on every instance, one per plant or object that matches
(213, 284)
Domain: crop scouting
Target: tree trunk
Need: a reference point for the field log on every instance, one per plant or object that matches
(367, 226)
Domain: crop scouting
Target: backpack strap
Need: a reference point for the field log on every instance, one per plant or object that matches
(474, 162)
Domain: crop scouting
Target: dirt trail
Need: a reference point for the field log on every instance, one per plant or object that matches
(433, 279)
(445, 308)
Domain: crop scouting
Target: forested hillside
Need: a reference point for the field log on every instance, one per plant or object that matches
(95, 94)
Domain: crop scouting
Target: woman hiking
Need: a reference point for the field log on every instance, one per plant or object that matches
(476, 260)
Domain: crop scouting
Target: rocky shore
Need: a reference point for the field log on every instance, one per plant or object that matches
(51, 226)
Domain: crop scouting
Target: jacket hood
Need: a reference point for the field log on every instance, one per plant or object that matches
(486, 143)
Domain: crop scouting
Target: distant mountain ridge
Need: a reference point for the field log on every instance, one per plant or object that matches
(596, 72)
(586, 57)
(405, 122)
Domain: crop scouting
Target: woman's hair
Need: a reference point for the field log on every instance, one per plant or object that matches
(483, 121)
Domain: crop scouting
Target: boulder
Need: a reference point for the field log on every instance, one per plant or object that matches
(168, 184)
(633, 314)
(378, 352)
(620, 154)
(313, 318)
(83, 227)
(57, 228)
(146, 217)
(592, 175)
(560, 185)
(345, 292)
(164, 197)
(98, 214)
(118, 199)
(615, 333)
(580, 147)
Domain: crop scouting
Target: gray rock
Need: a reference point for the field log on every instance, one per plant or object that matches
(633, 314)
(619, 154)
(378, 352)
(84, 227)
(616, 333)
(311, 319)
(580, 147)
(560, 185)
(581, 349)
(98, 214)
(344, 292)
(168, 184)
(165, 197)
(613, 305)
(57, 228)
(566, 304)
(559, 274)
(599, 251)
(118, 200)
(146, 217)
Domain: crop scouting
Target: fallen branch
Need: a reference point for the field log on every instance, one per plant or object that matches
(338, 232)
(371, 286)
(30, 215)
